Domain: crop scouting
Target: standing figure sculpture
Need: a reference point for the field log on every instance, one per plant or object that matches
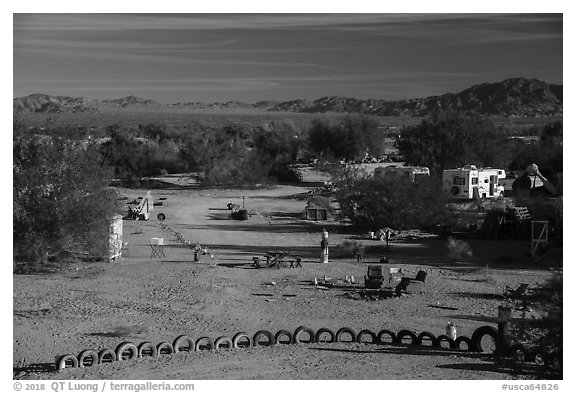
(324, 246)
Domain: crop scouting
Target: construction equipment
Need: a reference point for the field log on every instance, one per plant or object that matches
(470, 182)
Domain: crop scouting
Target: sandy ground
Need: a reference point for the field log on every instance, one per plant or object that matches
(139, 298)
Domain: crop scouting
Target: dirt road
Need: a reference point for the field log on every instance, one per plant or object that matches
(139, 298)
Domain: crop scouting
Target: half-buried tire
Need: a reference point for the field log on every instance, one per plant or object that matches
(342, 332)
(463, 339)
(321, 336)
(165, 349)
(184, 343)
(283, 333)
(304, 330)
(67, 361)
(223, 342)
(87, 358)
(402, 334)
(204, 343)
(147, 349)
(256, 340)
(126, 351)
(445, 339)
(241, 340)
(106, 355)
(386, 333)
(366, 333)
(427, 337)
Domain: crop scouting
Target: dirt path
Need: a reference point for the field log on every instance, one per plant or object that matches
(98, 305)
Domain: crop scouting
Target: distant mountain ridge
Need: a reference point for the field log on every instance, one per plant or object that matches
(511, 97)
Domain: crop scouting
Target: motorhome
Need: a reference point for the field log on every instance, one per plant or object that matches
(470, 182)
(393, 172)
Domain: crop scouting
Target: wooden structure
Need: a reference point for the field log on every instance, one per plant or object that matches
(316, 214)
(512, 224)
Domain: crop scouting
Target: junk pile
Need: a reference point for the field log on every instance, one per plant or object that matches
(142, 211)
(238, 213)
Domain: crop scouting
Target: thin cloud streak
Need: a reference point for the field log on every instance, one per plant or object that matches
(107, 22)
(167, 59)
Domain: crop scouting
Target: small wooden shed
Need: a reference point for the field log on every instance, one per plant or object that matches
(316, 214)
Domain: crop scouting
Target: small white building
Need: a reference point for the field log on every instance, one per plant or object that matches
(469, 182)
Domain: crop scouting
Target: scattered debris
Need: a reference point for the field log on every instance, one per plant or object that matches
(442, 307)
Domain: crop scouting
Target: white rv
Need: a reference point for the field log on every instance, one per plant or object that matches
(394, 172)
(469, 182)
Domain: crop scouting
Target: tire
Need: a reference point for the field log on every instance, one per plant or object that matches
(281, 333)
(88, 353)
(65, 359)
(463, 339)
(320, 332)
(430, 336)
(164, 348)
(237, 337)
(383, 333)
(147, 346)
(206, 340)
(406, 333)
(366, 332)
(186, 340)
(303, 329)
(259, 334)
(161, 216)
(125, 346)
(223, 340)
(441, 338)
(106, 355)
(480, 333)
(343, 331)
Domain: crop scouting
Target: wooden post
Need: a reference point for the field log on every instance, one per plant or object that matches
(503, 341)
(539, 238)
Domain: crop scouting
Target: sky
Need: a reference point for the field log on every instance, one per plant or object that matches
(254, 57)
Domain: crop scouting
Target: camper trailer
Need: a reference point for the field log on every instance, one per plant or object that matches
(470, 182)
(394, 173)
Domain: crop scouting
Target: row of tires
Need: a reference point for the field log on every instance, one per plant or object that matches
(302, 334)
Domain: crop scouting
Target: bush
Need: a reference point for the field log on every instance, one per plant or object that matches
(451, 140)
(458, 250)
(545, 334)
(377, 203)
(349, 140)
(61, 200)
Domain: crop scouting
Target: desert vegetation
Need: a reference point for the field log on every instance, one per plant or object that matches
(51, 162)
(63, 201)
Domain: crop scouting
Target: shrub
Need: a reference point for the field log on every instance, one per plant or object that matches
(61, 200)
(377, 203)
(458, 250)
(545, 334)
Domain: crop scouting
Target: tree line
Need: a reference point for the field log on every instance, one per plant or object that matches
(61, 198)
